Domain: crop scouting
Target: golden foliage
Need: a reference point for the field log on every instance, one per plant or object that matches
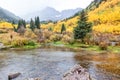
(30, 34)
(14, 39)
(69, 24)
(108, 28)
(106, 18)
(46, 26)
(4, 25)
(67, 39)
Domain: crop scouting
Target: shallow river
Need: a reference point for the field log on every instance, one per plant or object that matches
(51, 64)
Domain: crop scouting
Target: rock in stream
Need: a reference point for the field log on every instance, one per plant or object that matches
(76, 73)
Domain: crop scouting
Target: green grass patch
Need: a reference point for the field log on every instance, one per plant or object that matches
(77, 45)
(114, 49)
(94, 48)
(58, 43)
(84, 46)
(29, 46)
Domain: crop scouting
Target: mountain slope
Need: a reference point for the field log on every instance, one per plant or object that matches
(51, 14)
(69, 13)
(104, 14)
(106, 17)
(7, 16)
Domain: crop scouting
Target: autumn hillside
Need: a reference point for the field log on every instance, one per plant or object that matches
(56, 27)
(106, 18)
(104, 14)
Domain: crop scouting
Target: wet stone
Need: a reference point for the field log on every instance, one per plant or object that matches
(76, 73)
(12, 76)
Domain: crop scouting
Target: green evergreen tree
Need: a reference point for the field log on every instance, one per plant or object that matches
(37, 22)
(24, 23)
(83, 27)
(32, 25)
(21, 23)
(21, 27)
(13, 22)
(63, 28)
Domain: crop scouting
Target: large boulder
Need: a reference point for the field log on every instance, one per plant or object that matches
(76, 73)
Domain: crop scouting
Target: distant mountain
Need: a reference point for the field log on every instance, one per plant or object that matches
(45, 14)
(7, 15)
(70, 12)
(52, 14)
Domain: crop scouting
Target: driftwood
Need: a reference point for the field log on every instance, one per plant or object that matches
(76, 73)
(12, 76)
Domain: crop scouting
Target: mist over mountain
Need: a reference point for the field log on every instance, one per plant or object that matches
(7, 15)
(49, 13)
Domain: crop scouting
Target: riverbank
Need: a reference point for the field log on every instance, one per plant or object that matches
(76, 47)
(79, 46)
(25, 47)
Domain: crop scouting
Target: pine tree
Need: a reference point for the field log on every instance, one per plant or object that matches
(37, 22)
(21, 27)
(83, 27)
(24, 23)
(32, 25)
(63, 28)
(21, 23)
(13, 22)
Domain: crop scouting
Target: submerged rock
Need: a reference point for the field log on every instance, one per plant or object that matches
(12, 76)
(76, 73)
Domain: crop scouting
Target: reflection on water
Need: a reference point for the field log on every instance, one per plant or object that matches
(51, 64)
(101, 66)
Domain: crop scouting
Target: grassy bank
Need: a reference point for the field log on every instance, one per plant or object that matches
(113, 49)
(27, 47)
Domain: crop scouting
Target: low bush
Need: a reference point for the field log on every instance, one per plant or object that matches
(55, 37)
(67, 39)
(31, 43)
(19, 42)
(47, 34)
(88, 39)
(30, 34)
(103, 46)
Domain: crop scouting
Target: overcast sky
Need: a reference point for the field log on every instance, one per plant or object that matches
(22, 7)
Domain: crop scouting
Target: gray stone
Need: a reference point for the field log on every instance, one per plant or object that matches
(12, 76)
(76, 73)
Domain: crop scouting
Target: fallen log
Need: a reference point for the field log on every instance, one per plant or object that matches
(12, 76)
(76, 73)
